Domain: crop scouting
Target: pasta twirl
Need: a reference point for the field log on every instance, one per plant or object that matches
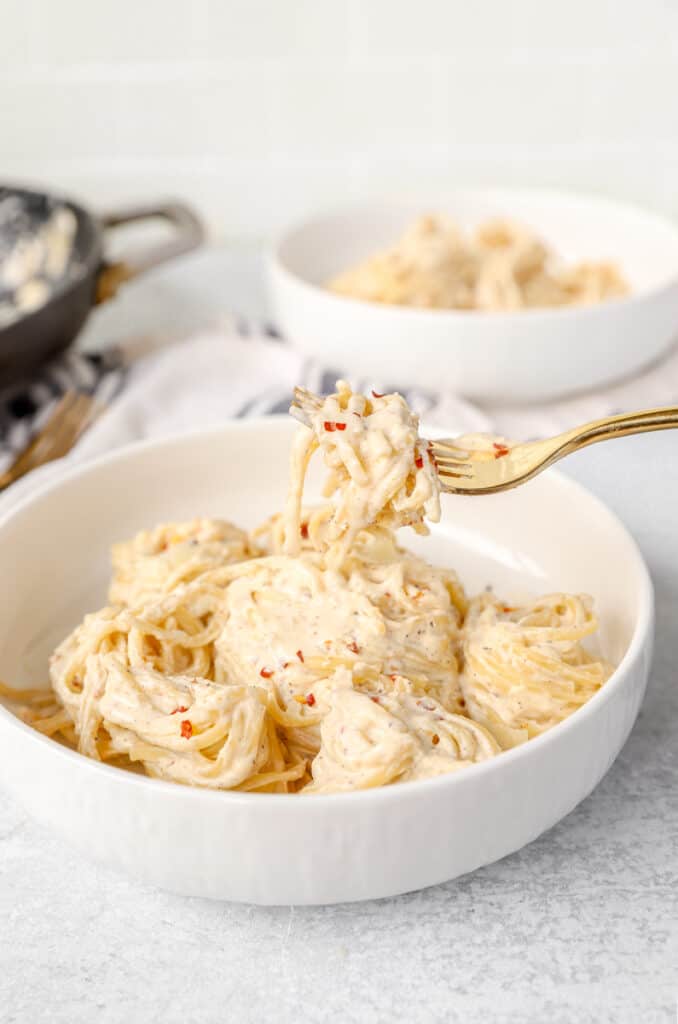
(524, 668)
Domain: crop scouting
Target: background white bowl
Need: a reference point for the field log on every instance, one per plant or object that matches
(278, 849)
(510, 356)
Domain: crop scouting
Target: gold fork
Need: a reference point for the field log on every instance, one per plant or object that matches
(507, 465)
(502, 466)
(71, 416)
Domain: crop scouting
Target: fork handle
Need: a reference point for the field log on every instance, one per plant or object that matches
(617, 426)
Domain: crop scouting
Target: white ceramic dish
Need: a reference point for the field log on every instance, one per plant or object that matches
(324, 849)
(529, 355)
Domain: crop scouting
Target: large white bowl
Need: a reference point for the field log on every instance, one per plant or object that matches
(294, 849)
(528, 355)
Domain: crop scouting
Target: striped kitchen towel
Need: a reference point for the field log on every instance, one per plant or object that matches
(243, 368)
(193, 384)
(240, 368)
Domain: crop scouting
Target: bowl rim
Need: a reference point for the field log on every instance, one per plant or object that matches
(641, 637)
(277, 266)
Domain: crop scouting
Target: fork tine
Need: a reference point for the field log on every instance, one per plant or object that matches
(452, 463)
(304, 405)
(305, 397)
(300, 415)
(450, 475)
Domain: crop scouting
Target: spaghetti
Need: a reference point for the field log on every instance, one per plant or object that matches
(502, 267)
(314, 655)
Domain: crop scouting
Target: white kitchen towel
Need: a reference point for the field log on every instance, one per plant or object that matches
(209, 378)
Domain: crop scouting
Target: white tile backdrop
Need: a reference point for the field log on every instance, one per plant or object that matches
(259, 110)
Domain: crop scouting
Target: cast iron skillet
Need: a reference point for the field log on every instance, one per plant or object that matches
(88, 278)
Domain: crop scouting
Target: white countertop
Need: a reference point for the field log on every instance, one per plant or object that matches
(580, 926)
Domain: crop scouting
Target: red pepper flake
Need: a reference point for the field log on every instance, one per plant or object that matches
(393, 678)
(435, 739)
(266, 673)
(376, 394)
(300, 655)
(186, 729)
(180, 710)
(328, 425)
(303, 530)
(286, 664)
(499, 450)
(375, 699)
(310, 699)
(507, 609)
(419, 462)
(340, 426)
(353, 647)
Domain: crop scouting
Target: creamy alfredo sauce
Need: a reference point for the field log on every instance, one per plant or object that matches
(316, 654)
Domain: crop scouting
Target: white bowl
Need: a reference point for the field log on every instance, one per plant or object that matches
(535, 354)
(273, 849)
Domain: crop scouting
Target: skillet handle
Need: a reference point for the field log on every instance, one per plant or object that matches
(189, 234)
